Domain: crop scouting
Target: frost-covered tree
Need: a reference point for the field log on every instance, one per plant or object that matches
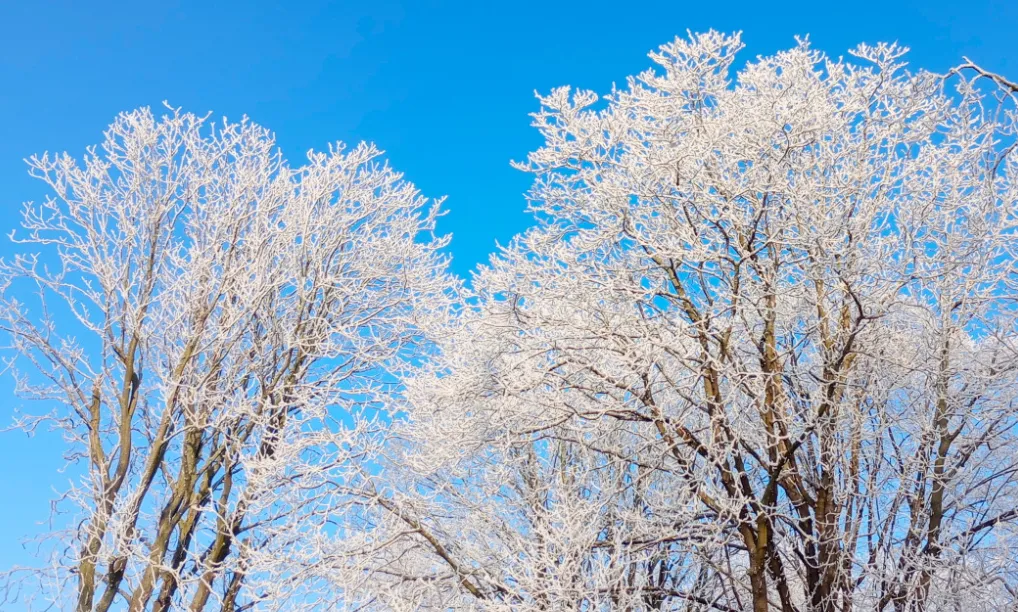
(758, 353)
(215, 333)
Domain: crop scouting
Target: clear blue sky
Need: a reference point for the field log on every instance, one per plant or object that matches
(443, 87)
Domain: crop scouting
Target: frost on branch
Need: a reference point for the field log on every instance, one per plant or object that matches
(759, 352)
(216, 333)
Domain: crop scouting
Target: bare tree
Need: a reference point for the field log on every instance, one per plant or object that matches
(759, 353)
(215, 332)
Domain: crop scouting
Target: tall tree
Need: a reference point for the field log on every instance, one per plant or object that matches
(758, 353)
(215, 332)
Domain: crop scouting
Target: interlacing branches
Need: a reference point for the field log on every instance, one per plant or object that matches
(759, 352)
(218, 331)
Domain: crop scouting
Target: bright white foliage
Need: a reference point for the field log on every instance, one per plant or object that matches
(759, 353)
(218, 331)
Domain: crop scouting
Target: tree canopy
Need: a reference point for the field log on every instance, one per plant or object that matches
(758, 351)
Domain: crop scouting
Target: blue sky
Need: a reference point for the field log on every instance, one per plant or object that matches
(444, 88)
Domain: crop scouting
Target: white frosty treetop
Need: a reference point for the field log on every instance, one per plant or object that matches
(758, 353)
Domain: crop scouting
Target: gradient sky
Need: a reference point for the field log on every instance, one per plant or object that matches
(444, 88)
